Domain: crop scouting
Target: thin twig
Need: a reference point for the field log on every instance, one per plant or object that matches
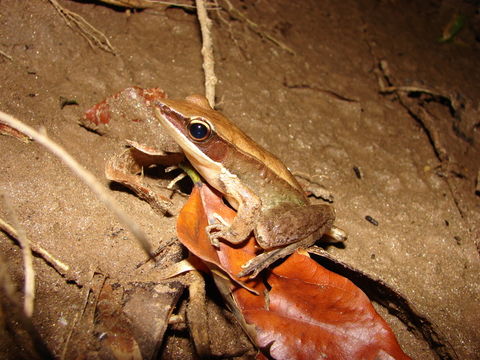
(87, 177)
(197, 314)
(74, 21)
(85, 295)
(29, 285)
(144, 4)
(222, 17)
(255, 27)
(6, 55)
(172, 183)
(304, 86)
(59, 266)
(207, 52)
(25, 333)
(417, 112)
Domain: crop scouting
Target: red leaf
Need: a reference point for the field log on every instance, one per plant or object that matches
(306, 311)
(191, 224)
(314, 311)
(199, 212)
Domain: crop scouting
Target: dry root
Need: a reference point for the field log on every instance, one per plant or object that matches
(77, 23)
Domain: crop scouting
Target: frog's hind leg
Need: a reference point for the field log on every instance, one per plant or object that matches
(264, 260)
(288, 223)
(286, 229)
(260, 262)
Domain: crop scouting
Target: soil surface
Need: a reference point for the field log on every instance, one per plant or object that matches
(408, 158)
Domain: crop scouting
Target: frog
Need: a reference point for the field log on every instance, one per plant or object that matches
(270, 202)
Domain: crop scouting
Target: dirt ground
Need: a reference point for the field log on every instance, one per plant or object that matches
(407, 159)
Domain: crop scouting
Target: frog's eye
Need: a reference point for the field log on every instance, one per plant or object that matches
(199, 130)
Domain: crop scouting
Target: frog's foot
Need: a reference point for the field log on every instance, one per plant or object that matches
(254, 266)
(220, 231)
(214, 232)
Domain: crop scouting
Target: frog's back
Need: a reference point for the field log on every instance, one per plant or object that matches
(246, 145)
(264, 174)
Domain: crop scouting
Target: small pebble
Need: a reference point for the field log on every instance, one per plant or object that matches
(357, 172)
(371, 220)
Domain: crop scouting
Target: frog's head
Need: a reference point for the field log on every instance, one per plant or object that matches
(205, 135)
(195, 126)
(208, 138)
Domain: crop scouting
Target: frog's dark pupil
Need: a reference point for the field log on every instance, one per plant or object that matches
(198, 131)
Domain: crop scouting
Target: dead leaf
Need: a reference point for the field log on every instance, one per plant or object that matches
(9, 131)
(199, 212)
(303, 311)
(313, 311)
(129, 116)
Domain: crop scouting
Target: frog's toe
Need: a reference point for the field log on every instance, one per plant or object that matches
(254, 266)
(215, 229)
(214, 241)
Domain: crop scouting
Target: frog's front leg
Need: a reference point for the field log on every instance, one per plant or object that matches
(248, 207)
(286, 228)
